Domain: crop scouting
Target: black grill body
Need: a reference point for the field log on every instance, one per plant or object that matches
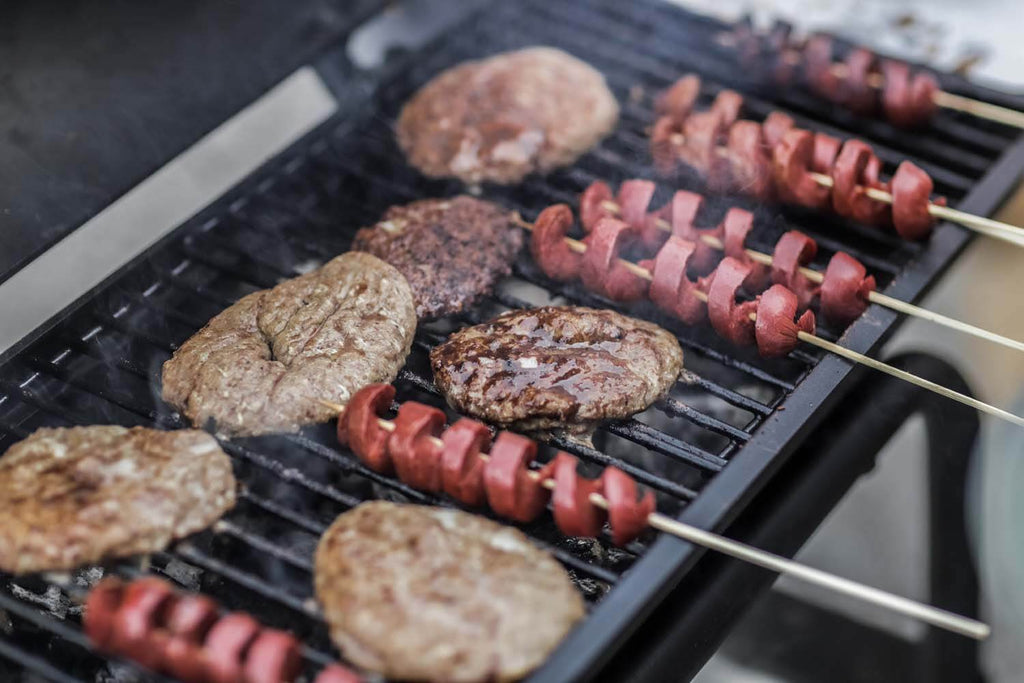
(722, 435)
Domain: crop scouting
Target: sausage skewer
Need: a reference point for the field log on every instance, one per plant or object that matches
(940, 98)
(416, 445)
(807, 337)
(187, 636)
(685, 91)
(873, 295)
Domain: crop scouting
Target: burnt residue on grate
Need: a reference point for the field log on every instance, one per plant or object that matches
(703, 449)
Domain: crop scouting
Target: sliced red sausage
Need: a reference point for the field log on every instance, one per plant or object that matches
(511, 491)
(776, 331)
(627, 515)
(794, 250)
(548, 247)
(791, 168)
(100, 608)
(856, 90)
(750, 170)
(273, 657)
(137, 631)
(671, 288)
(677, 102)
(360, 429)
(855, 170)
(826, 149)
(818, 67)
(415, 453)
(602, 272)
(461, 465)
(226, 645)
(911, 194)
(775, 127)
(845, 289)
(592, 201)
(729, 318)
(736, 225)
(574, 513)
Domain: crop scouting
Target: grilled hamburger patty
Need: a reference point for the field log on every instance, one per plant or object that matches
(76, 496)
(451, 251)
(264, 364)
(562, 368)
(501, 118)
(433, 594)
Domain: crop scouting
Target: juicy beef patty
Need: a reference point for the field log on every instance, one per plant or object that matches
(451, 251)
(264, 364)
(556, 368)
(70, 497)
(501, 118)
(432, 594)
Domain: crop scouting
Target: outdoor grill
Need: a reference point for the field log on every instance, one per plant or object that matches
(733, 426)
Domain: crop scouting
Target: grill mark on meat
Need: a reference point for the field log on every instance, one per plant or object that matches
(76, 496)
(556, 368)
(263, 364)
(501, 118)
(452, 251)
(432, 594)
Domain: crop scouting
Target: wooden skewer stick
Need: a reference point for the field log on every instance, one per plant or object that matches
(946, 100)
(873, 296)
(849, 354)
(985, 226)
(934, 616)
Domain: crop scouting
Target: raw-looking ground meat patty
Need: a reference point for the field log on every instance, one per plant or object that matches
(433, 594)
(501, 118)
(451, 251)
(76, 496)
(556, 368)
(264, 364)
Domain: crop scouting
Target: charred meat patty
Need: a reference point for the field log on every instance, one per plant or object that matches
(264, 364)
(75, 496)
(501, 118)
(556, 368)
(451, 251)
(433, 594)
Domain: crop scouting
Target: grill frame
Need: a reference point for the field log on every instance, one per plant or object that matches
(749, 468)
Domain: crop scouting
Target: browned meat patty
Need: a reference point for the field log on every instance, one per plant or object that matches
(431, 594)
(70, 497)
(264, 364)
(501, 118)
(451, 251)
(556, 368)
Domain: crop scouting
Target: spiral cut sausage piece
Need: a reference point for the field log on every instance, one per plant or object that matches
(503, 478)
(793, 251)
(777, 160)
(185, 636)
(680, 271)
(906, 99)
(638, 225)
(677, 287)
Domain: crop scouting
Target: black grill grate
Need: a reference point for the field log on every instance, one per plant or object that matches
(704, 450)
